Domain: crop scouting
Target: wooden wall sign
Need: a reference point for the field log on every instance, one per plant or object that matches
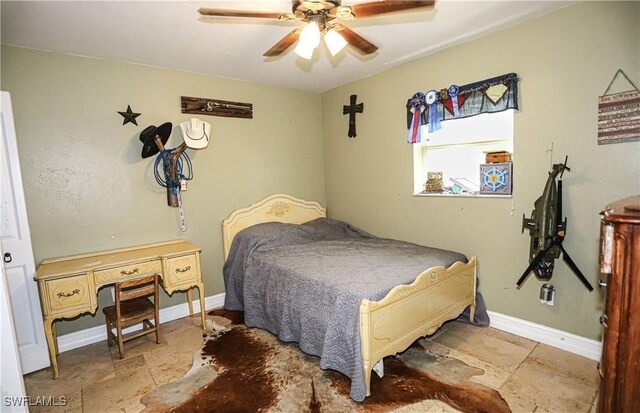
(215, 107)
(619, 114)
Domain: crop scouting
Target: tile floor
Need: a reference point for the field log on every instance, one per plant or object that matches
(532, 377)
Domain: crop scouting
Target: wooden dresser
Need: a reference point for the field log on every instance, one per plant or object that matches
(620, 264)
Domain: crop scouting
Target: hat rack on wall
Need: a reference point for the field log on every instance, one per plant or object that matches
(173, 167)
(170, 171)
(215, 107)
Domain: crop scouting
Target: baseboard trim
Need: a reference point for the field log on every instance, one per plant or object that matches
(556, 338)
(98, 333)
(550, 336)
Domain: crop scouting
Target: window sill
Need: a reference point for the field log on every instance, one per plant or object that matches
(423, 195)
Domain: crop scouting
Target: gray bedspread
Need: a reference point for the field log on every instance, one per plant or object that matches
(305, 284)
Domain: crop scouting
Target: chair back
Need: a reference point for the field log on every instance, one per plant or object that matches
(140, 287)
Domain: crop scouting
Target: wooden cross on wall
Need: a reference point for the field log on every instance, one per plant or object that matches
(352, 109)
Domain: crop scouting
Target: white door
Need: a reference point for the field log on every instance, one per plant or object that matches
(16, 249)
(11, 384)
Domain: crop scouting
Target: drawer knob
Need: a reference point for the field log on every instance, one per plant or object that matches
(185, 269)
(133, 271)
(74, 292)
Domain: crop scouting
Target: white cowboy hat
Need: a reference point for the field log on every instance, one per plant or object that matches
(196, 133)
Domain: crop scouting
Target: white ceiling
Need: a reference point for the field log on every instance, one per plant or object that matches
(172, 34)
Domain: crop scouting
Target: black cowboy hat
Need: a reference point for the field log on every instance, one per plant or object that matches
(148, 138)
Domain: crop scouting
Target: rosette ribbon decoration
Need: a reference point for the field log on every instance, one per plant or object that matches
(432, 98)
(417, 102)
(453, 94)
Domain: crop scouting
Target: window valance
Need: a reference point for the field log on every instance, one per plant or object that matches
(486, 96)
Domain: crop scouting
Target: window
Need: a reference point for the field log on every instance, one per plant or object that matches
(458, 149)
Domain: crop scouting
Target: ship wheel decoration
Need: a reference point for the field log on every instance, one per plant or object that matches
(495, 178)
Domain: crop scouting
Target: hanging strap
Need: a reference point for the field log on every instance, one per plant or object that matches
(614, 78)
(183, 226)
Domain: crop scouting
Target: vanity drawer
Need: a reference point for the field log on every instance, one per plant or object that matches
(70, 293)
(127, 271)
(183, 269)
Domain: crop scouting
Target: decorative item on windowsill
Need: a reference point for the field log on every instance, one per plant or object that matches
(496, 179)
(462, 185)
(619, 114)
(434, 184)
(497, 156)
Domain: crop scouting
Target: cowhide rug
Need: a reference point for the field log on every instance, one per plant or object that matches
(241, 369)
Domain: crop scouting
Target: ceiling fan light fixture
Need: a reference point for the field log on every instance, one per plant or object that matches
(335, 42)
(320, 16)
(304, 52)
(309, 40)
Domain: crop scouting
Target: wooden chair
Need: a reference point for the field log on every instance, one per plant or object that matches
(132, 307)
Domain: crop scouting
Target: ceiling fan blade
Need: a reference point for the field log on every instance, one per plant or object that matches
(355, 40)
(384, 7)
(284, 43)
(244, 13)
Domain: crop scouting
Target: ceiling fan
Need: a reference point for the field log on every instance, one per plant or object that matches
(322, 17)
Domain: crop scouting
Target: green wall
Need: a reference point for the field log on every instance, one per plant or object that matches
(565, 61)
(86, 187)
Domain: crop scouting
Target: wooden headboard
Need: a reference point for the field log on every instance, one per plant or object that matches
(274, 208)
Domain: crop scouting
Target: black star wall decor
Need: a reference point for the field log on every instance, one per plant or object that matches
(129, 116)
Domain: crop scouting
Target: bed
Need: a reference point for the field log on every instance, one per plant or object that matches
(367, 330)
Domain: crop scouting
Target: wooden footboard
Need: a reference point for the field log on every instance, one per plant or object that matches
(411, 311)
